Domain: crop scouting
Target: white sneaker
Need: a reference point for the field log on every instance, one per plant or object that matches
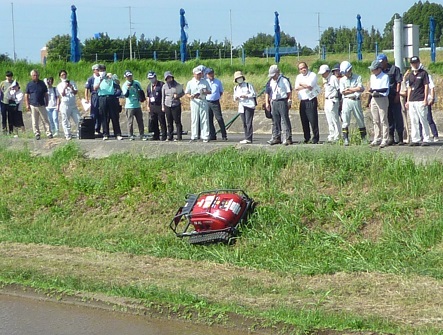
(119, 138)
(105, 138)
(245, 142)
(436, 139)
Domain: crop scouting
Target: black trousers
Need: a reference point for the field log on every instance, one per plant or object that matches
(309, 119)
(109, 111)
(395, 117)
(214, 110)
(157, 118)
(174, 115)
(7, 117)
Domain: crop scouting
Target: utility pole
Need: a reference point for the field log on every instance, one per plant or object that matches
(130, 34)
(319, 34)
(230, 23)
(13, 32)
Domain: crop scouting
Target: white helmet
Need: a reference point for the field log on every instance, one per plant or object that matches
(345, 66)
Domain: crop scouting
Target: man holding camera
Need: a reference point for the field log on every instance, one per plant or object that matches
(108, 105)
(67, 103)
(197, 89)
(132, 106)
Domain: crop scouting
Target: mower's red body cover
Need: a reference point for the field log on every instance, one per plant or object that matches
(217, 211)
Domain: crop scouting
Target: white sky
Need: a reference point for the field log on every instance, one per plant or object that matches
(37, 21)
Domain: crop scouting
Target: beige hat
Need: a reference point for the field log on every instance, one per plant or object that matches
(196, 70)
(237, 75)
(273, 70)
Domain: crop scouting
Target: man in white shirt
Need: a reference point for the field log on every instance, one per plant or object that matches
(67, 103)
(351, 88)
(307, 88)
(278, 94)
(379, 90)
(331, 90)
(196, 90)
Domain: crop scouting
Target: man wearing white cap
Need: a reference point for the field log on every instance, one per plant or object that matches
(351, 88)
(92, 97)
(331, 89)
(133, 108)
(278, 94)
(196, 90)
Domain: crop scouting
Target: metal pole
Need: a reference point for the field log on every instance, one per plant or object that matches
(13, 32)
(319, 36)
(399, 43)
(230, 23)
(130, 35)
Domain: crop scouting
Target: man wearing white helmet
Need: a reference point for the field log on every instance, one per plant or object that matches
(331, 89)
(351, 88)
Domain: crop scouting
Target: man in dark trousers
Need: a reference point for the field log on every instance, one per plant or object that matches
(92, 97)
(307, 88)
(154, 102)
(214, 108)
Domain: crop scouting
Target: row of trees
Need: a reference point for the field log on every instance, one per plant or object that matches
(335, 40)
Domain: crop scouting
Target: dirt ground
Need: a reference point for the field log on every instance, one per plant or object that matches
(414, 301)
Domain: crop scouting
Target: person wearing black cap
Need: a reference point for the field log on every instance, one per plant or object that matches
(4, 88)
(154, 103)
(417, 102)
(214, 108)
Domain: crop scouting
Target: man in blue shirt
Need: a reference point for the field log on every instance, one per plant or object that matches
(36, 99)
(214, 108)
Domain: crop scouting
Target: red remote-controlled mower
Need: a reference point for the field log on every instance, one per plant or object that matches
(212, 216)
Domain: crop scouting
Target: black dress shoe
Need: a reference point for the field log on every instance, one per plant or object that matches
(275, 141)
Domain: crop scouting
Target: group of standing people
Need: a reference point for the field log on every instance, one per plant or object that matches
(393, 100)
(42, 100)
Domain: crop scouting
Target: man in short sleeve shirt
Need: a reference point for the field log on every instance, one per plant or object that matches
(417, 102)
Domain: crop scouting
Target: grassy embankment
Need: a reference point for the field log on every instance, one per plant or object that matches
(340, 239)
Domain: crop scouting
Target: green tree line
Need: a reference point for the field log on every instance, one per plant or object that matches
(335, 40)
